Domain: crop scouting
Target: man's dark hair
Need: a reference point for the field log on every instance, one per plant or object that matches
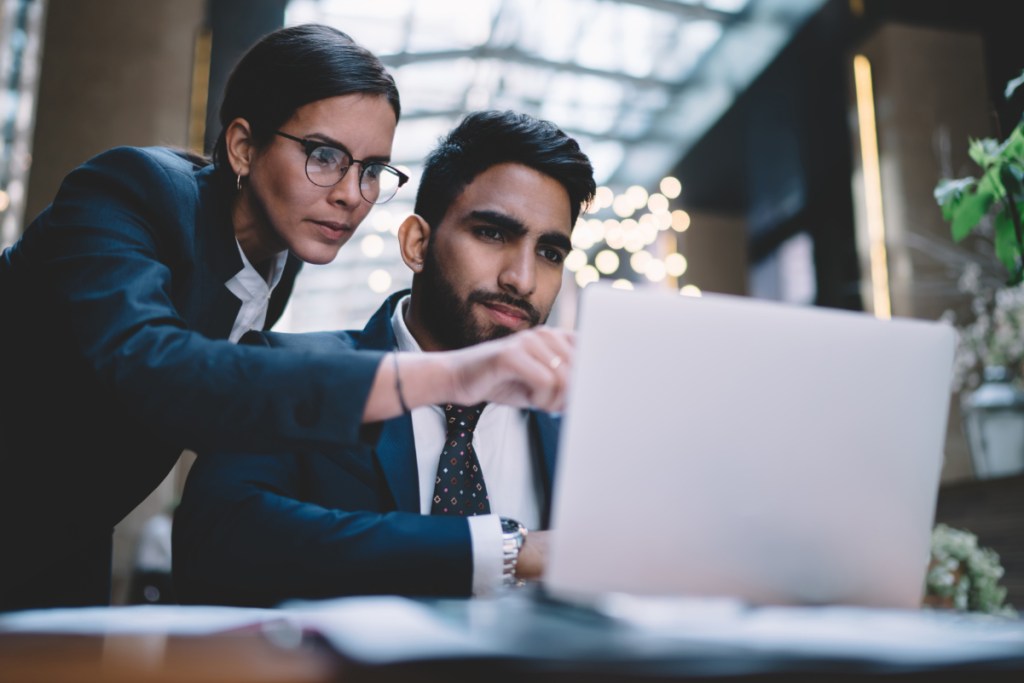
(487, 138)
(292, 67)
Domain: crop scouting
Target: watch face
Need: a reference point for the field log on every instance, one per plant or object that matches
(509, 526)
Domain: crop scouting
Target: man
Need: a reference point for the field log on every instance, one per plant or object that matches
(437, 506)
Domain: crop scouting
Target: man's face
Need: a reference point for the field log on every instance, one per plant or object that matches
(493, 266)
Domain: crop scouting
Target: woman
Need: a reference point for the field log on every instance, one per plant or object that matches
(121, 302)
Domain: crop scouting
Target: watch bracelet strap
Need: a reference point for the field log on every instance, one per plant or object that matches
(511, 544)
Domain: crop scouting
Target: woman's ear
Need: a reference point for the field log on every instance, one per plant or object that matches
(413, 237)
(239, 143)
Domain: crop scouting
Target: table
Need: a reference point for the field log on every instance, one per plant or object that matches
(247, 657)
(280, 652)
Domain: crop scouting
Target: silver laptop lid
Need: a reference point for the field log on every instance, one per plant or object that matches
(737, 447)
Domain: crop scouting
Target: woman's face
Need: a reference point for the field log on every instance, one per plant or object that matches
(314, 222)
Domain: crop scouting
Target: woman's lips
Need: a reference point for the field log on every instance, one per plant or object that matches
(334, 231)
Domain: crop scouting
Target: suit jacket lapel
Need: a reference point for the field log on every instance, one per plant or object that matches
(396, 452)
(218, 252)
(396, 446)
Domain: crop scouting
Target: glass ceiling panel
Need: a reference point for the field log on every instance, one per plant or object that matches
(414, 138)
(450, 24)
(726, 5)
(550, 30)
(691, 41)
(424, 87)
(619, 71)
(378, 23)
(531, 82)
(583, 103)
(634, 122)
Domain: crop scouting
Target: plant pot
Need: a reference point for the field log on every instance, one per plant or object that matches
(993, 421)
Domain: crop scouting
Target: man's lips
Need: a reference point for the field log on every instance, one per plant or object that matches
(508, 315)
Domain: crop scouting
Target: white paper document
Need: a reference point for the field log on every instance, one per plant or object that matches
(380, 630)
(886, 635)
(136, 619)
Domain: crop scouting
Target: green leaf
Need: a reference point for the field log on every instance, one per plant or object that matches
(969, 212)
(949, 192)
(983, 151)
(1014, 84)
(1011, 175)
(1007, 247)
(1012, 148)
(991, 185)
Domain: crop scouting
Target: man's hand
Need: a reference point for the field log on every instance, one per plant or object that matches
(533, 556)
(529, 369)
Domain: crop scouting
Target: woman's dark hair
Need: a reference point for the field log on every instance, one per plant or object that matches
(292, 67)
(488, 138)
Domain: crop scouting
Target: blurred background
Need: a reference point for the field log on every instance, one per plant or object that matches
(781, 149)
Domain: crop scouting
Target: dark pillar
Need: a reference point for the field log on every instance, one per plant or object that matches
(235, 25)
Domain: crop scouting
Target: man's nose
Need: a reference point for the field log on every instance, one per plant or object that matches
(519, 274)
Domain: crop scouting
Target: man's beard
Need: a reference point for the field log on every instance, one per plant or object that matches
(450, 320)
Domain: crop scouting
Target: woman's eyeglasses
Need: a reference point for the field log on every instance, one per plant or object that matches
(326, 165)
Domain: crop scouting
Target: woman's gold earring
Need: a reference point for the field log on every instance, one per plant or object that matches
(238, 182)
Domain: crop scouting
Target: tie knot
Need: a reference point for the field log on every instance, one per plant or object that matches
(462, 417)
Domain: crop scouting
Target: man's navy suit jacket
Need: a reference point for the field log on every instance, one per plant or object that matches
(260, 529)
(114, 318)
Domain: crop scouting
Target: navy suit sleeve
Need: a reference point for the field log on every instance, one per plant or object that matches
(117, 224)
(243, 535)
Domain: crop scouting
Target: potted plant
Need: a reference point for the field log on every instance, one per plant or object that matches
(998, 193)
(994, 412)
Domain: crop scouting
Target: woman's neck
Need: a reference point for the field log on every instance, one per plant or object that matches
(257, 239)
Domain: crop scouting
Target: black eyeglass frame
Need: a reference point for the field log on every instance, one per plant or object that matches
(311, 146)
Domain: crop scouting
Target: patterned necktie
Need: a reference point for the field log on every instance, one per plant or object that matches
(459, 487)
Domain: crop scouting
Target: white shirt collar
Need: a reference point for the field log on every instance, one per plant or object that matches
(404, 338)
(251, 280)
(254, 291)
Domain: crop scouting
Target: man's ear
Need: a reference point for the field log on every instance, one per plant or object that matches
(413, 237)
(238, 138)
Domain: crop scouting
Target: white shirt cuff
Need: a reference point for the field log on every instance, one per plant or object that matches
(485, 535)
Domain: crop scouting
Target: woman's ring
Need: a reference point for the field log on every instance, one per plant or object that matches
(555, 362)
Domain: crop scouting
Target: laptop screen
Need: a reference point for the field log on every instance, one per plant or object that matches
(726, 446)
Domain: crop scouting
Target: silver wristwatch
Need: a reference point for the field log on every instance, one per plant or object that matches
(513, 535)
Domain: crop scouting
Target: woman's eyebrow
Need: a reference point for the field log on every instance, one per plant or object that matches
(337, 144)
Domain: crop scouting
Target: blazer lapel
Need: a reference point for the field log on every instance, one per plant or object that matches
(218, 256)
(396, 452)
(396, 446)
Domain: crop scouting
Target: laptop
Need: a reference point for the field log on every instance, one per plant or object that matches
(727, 446)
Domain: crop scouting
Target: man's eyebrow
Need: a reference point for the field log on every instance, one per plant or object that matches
(559, 240)
(337, 144)
(552, 238)
(501, 220)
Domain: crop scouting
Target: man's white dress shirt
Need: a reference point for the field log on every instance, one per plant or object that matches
(502, 444)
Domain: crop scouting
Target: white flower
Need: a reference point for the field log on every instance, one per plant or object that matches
(995, 336)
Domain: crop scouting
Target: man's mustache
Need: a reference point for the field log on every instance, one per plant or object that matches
(532, 314)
